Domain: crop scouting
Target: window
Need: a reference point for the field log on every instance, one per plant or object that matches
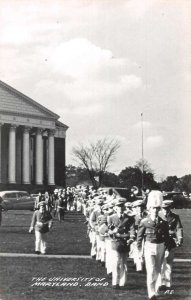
(22, 194)
(10, 195)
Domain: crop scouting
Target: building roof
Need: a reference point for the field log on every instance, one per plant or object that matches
(6, 91)
(60, 124)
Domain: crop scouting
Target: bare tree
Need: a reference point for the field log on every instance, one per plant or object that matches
(96, 157)
(144, 165)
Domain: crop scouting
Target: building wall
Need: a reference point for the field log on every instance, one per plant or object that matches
(4, 154)
(60, 161)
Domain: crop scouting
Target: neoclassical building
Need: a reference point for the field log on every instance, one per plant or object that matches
(32, 143)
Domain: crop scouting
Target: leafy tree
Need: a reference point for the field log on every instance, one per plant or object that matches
(110, 180)
(185, 183)
(132, 176)
(96, 158)
(173, 183)
(170, 184)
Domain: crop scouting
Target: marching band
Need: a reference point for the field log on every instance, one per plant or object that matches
(144, 230)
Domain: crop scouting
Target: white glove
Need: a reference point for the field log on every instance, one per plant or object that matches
(178, 243)
(31, 230)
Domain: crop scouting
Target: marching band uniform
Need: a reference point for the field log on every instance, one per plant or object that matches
(176, 240)
(70, 199)
(101, 219)
(54, 198)
(41, 223)
(39, 198)
(139, 214)
(121, 229)
(83, 201)
(59, 207)
(89, 209)
(155, 232)
(93, 221)
(105, 240)
(102, 230)
(108, 240)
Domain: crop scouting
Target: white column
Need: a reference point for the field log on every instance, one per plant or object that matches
(26, 155)
(12, 154)
(39, 156)
(51, 179)
(0, 154)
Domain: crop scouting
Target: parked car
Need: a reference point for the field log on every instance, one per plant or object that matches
(179, 200)
(17, 200)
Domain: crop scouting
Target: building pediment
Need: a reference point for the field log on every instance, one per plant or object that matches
(14, 103)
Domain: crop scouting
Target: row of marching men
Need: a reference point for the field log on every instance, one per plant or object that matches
(119, 230)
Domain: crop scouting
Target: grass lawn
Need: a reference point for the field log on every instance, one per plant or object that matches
(68, 237)
(18, 275)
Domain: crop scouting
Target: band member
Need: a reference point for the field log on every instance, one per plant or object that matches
(70, 199)
(176, 240)
(93, 222)
(122, 234)
(60, 206)
(41, 223)
(108, 241)
(155, 232)
(102, 230)
(48, 201)
(39, 198)
(138, 207)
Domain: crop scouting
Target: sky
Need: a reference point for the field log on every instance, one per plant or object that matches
(99, 64)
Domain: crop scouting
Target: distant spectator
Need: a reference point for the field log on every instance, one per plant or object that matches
(70, 199)
(39, 198)
(48, 201)
(60, 207)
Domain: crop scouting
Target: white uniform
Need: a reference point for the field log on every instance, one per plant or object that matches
(41, 222)
(156, 237)
(176, 238)
(119, 251)
(93, 224)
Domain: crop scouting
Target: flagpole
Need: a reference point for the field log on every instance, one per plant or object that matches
(142, 152)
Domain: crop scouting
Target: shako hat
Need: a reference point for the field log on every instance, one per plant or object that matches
(138, 203)
(167, 203)
(120, 201)
(155, 199)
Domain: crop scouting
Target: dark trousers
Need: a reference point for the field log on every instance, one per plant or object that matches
(60, 214)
